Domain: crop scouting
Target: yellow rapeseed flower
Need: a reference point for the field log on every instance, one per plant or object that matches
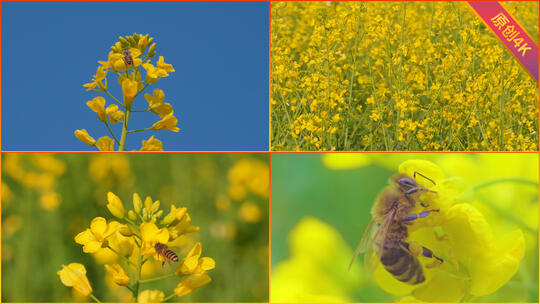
(193, 263)
(191, 283)
(129, 90)
(152, 144)
(150, 296)
(94, 238)
(74, 275)
(156, 104)
(105, 143)
(120, 277)
(168, 68)
(98, 79)
(153, 74)
(168, 122)
(98, 105)
(151, 235)
(114, 114)
(83, 136)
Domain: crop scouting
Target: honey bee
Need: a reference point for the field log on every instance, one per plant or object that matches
(128, 58)
(387, 232)
(167, 254)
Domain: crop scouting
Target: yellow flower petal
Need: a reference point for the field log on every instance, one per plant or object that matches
(167, 123)
(83, 136)
(129, 90)
(120, 277)
(105, 143)
(85, 237)
(98, 226)
(98, 105)
(191, 283)
(74, 275)
(150, 296)
(152, 144)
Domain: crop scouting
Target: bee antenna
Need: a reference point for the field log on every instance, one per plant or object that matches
(422, 175)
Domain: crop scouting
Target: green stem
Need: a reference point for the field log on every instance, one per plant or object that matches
(146, 85)
(120, 255)
(137, 283)
(505, 180)
(115, 98)
(124, 131)
(167, 298)
(112, 134)
(140, 130)
(157, 278)
(94, 298)
(140, 111)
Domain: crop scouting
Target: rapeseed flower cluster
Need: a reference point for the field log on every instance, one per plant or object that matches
(38, 172)
(133, 238)
(248, 187)
(398, 76)
(130, 60)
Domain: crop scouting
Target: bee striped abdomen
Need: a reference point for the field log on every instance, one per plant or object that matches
(164, 251)
(402, 265)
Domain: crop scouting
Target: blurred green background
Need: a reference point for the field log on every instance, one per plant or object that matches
(48, 198)
(335, 204)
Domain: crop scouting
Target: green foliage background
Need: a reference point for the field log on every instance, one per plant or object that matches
(45, 240)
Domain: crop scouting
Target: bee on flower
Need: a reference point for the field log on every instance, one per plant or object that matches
(137, 236)
(128, 59)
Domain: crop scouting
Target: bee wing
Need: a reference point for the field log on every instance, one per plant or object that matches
(365, 242)
(373, 239)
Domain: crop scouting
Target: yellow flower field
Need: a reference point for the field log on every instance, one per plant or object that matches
(395, 76)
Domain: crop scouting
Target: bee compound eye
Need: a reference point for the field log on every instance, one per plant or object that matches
(407, 181)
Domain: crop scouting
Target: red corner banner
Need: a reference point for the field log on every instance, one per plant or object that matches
(510, 32)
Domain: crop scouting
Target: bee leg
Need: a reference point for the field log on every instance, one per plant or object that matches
(416, 249)
(422, 214)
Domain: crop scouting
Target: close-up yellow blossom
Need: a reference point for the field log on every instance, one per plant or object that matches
(120, 277)
(398, 76)
(74, 275)
(130, 61)
(438, 227)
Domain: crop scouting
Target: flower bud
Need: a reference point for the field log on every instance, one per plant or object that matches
(137, 203)
(125, 230)
(155, 207)
(115, 205)
(159, 214)
(132, 216)
(132, 41)
(148, 204)
(124, 42)
(152, 50)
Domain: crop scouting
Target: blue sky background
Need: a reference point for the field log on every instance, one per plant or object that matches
(219, 90)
